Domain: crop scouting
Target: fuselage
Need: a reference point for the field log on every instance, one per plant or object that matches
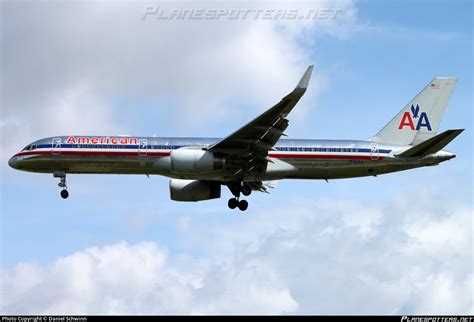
(289, 159)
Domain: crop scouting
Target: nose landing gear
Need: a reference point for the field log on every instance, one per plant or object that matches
(62, 183)
(64, 194)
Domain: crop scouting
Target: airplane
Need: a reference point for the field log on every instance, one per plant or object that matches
(254, 157)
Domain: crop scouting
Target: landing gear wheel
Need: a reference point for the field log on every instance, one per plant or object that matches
(233, 203)
(246, 190)
(243, 205)
(64, 194)
(62, 183)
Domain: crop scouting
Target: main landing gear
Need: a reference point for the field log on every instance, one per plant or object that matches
(234, 203)
(236, 189)
(62, 183)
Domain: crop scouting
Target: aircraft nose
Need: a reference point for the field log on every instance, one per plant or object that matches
(13, 162)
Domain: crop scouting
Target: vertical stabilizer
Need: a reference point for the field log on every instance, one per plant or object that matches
(420, 118)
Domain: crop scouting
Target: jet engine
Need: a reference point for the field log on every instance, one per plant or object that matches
(195, 161)
(194, 190)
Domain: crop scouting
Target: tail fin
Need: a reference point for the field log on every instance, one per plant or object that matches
(419, 120)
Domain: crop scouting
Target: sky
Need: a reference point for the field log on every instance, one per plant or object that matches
(396, 244)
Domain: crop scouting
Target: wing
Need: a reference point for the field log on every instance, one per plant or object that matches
(251, 143)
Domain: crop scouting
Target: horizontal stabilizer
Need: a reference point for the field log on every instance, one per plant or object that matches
(432, 145)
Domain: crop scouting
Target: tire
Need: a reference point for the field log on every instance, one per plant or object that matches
(243, 205)
(246, 190)
(233, 203)
(64, 194)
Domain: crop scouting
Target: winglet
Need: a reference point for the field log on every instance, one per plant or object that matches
(303, 84)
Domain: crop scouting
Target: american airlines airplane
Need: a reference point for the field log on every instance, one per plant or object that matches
(254, 156)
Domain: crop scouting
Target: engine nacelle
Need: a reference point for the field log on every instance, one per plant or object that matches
(194, 190)
(195, 161)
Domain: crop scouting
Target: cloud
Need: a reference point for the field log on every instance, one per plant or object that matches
(139, 279)
(60, 76)
(402, 32)
(308, 257)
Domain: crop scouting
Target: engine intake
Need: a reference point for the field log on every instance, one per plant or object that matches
(195, 161)
(194, 190)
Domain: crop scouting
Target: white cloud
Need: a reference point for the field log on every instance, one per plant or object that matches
(326, 257)
(139, 279)
(60, 76)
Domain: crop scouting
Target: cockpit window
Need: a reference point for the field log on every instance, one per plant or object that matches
(29, 147)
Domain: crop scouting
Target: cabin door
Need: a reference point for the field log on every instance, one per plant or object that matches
(374, 151)
(56, 146)
(142, 143)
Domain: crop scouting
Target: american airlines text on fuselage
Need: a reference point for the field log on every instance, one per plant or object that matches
(101, 140)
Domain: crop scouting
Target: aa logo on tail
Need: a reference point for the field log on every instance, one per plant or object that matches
(408, 119)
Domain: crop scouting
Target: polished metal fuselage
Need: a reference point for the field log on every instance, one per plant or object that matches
(290, 159)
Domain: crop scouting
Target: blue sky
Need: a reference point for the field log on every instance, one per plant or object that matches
(368, 66)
